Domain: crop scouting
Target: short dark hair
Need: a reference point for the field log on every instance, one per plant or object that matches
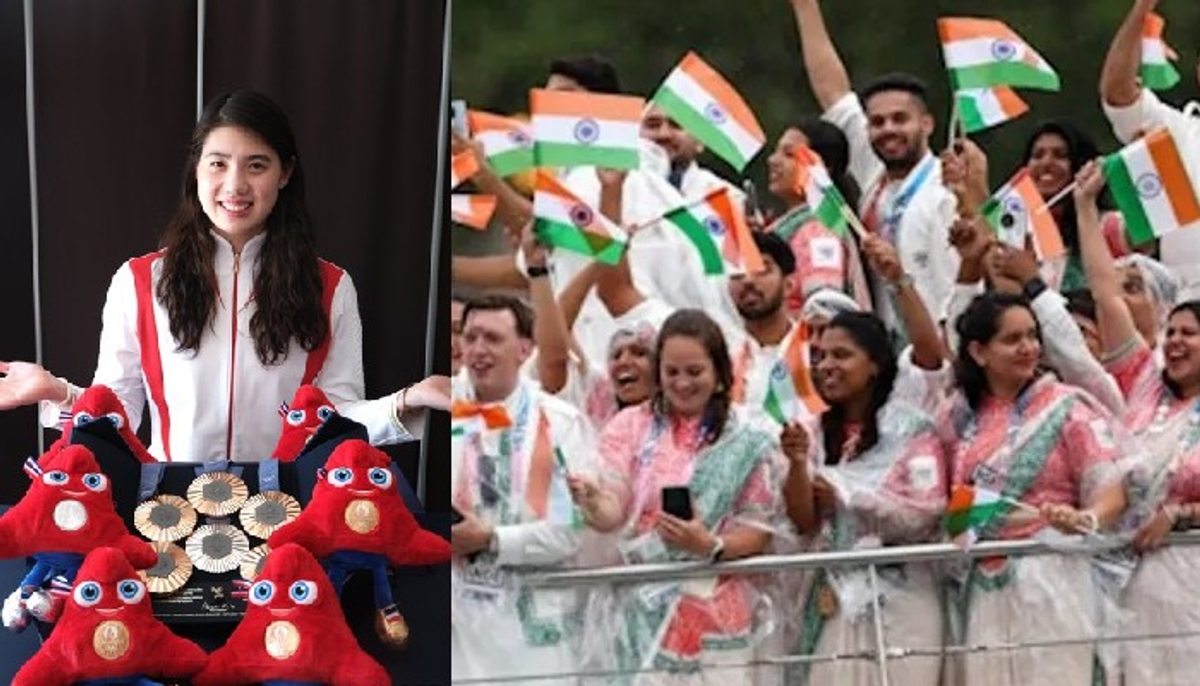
(592, 72)
(777, 249)
(492, 303)
(898, 81)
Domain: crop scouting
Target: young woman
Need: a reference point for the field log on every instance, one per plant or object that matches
(1022, 434)
(873, 474)
(1163, 415)
(236, 310)
(687, 436)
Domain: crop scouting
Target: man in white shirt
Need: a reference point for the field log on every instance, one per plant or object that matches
(1133, 110)
(888, 129)
(511, 450)
(689, 178)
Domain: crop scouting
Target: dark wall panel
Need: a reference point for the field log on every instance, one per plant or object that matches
(115, 103)
(360, 82)
(18, 428)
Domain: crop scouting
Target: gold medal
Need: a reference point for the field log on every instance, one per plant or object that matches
(165, 518)
(827, 600)
(282, 640)
(217, 548)
(217, 494)
(253, 561)
(110, 640)
(172, 570)
(362, 516)
(266, 512)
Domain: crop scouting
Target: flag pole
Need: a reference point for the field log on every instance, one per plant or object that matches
(955, 120)
(1057, 197)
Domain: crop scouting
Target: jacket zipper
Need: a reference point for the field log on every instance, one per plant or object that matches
(237, 261)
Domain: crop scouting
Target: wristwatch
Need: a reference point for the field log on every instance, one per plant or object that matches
(902, 283)
(535, 272)
(717, 551)
(1033, 288)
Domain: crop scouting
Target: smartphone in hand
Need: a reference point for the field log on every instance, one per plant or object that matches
(677, 502)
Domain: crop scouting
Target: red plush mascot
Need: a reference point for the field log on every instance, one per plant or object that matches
(99, 402)
(293, 631)
(309, 409)
(357, 520)
(108, 633)
(66, 513)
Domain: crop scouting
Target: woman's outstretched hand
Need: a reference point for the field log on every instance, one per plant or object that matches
(25, 383)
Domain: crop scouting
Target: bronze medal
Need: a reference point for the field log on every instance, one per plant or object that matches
(253, 561)
(110, 640)
(171, 572)
(282, 640)
(217, 494)
(362, 516)
(827, 600)
(217, 548)
(268, 511)
(165, 518)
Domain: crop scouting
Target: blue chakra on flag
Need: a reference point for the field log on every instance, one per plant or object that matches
(581, 215)
(714, 113)
(1148, 185)
(779, 372)
(520, 138)
(1003, 50)
(714, 225)
(587, 131)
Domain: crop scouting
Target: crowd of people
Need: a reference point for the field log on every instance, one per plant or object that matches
(939, 357)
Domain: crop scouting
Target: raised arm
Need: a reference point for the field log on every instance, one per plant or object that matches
(513, 210)
(826, 74)
(1119, 85)
(491, 271)
(550, 332)
(615, 285)
(928, 352)
(1112, 314)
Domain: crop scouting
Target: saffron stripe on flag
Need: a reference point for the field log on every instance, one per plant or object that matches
(582, 104)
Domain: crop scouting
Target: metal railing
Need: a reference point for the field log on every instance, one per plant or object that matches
(870, 558)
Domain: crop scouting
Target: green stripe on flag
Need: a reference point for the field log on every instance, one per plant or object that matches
(773, 407)
(550, 154)
(1017, 74)
(972, 118)
(570, 237)
(830, 212)
(697, 233)
(699, 126)
(512, 162)
(1159, 77)
(1125, 193)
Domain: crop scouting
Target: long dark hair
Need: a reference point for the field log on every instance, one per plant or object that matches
(979, 324)
(287, 289)
(830, 143)
(1192, 306)
(697, 325)
(1080, 150)
(870, 334)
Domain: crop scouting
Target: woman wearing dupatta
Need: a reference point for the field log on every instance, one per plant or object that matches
(688, 435)
(1028, 437)
(877, 478)
(1163, 415)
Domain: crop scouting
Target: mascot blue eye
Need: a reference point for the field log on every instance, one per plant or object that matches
(55, 478)
(303, 592)
(132, 591)
(82, 418)
(324, 412)
(296, 417)
(380, 477)
(341, 476)
(116, 420)
(95, 481)
(262, 592)
(88, 593)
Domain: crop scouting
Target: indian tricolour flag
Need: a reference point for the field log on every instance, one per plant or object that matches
(469, 418)
(717, 228)
(982, 108)
(1151, 187)
(472, 210)
(971, 508)
(462, 167)
(981, 53)
(563, 220)
(703, 103)
(1157, 72)
(791, 394)
(577, 129)
(507, 142)
(1017, 211)
(823, 198)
